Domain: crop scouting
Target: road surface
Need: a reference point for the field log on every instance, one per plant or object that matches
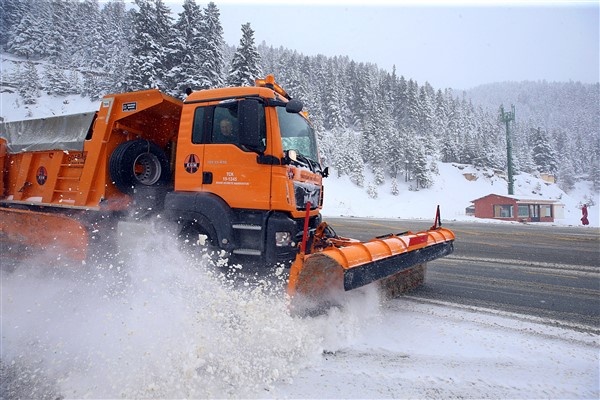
(540, 270)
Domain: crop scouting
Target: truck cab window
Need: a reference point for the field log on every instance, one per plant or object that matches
(225, 126)
(220, 124)
(297, 134)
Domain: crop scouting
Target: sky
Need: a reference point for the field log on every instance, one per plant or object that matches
(457, 44)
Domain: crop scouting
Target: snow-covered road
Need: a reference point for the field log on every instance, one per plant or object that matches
(416, 349)
(159, 326)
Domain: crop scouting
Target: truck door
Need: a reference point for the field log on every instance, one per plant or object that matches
(230, 170)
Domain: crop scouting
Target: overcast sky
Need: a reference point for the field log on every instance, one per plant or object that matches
(447, 43)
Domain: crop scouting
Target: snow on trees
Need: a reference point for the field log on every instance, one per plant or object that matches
(245, 65)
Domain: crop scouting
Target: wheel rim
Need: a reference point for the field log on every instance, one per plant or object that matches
(147, 169)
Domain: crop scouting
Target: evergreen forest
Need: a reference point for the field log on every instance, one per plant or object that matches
(367, 118)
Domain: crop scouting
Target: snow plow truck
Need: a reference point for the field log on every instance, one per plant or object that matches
(236, 169)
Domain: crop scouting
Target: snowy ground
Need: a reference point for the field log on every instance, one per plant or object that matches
(156, 325)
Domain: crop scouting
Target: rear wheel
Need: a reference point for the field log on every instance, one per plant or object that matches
(138, 163)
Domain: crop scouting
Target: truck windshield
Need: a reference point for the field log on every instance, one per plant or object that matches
(297, 134)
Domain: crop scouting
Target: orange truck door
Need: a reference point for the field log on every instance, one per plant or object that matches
(215, 161)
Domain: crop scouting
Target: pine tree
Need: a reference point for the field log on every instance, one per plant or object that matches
(212, 57)
(11, 12)
(56, 80)
(420, 167)
(566, 176)
(245, 65)
(115, 39)
(151, 32)
(543, 153)
(29, 84)
(27, 37)
(88, 48)
(394, 189)
(184, 58)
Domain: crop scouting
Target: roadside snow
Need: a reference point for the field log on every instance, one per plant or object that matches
(454, 193)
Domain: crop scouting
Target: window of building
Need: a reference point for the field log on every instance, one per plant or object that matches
(503, 211)
(546, 211)
(523, 211)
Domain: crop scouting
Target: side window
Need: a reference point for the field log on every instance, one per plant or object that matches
(225, 127)
(220, 124)
(198, 128)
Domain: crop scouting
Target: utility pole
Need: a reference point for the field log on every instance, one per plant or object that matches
(507, 117)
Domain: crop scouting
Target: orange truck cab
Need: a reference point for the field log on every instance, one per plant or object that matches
(246, 167)
(234, 167)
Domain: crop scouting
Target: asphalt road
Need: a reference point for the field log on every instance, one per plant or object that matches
(538, 270)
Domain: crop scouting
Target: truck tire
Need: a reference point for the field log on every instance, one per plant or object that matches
(138, 162)
(199, 238)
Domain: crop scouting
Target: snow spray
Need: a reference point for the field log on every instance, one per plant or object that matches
(155, 322)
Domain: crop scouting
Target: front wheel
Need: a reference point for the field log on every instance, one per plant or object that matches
(201, 241)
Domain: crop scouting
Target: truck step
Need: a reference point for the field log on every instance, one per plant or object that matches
(247, 227)
(247, 252)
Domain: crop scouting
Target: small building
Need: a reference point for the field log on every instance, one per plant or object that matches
(515, 208)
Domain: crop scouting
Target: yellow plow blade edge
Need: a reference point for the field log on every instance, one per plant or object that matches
(25, 233)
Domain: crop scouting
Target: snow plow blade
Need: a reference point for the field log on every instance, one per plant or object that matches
(396, 262)
(27, 233)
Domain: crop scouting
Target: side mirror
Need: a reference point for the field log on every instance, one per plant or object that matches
(249, 119)
(294, 106)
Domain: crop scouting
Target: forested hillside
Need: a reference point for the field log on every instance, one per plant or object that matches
(366, 117)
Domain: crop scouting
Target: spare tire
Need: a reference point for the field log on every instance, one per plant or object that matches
(138, 162)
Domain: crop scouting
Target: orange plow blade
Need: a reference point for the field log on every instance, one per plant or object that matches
(347, 265)
(25, 233)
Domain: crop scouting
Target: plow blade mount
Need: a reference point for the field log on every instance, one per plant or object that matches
(28, 233)
(396, 262)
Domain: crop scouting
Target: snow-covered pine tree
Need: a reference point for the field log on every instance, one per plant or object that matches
(566, 176)
(151, 27)
(29, 87)
(56, 81)
(245, 65)
(394, 189)
(115, 39)
(421, 171)
(212, 56)
(11, 12)
(87, 46)
(372, 190)
(27, 37)
(543, 154)
(184, 58)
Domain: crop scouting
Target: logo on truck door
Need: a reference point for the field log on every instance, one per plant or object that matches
(191, 163)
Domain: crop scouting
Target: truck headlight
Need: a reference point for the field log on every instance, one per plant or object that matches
(283, 239)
